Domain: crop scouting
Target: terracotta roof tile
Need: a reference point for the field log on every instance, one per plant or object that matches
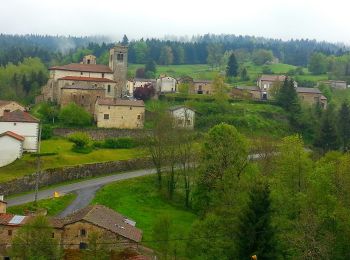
(84, 68)
(5, 219)
(308, 90)
(18, 116)
(120, 102)
(105, 218)
(86, 79)
(13, 135)
(83, 87)
(272, 77)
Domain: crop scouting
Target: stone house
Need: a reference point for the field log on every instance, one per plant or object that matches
(138, 82)
(266, 82)
(202, 87)
(84, 96)
(74, 231)
(312, 96)
(119, 113)
(22, 124)
(89, 73)
(184, 117)
(11, 147)
(166, 85)
(9, 106)
(246, 92)
(338, 84)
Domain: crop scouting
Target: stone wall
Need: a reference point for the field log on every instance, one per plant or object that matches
(59, 175)
(102, 133)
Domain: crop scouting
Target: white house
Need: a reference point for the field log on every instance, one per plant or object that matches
(9, 106)
(11, 147)
(166, 85)
(183, 116)
(23, 124)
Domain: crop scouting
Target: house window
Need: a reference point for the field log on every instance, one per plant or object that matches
(53, 235)
(109, 88)
(7, 110)
(138, 116)
(9, 232)
(81, 73)
(83, 246)
(103, 75)
(109, 107)
(82, 97)
(130, 108)
(188, 122)
(83, 232)
(106, 116)
(14, 123)
(88, 61)
(95, 85)
(120, 57)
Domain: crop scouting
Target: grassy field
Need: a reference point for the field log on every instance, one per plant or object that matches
(64, 157)
(53, 206)
(140, 200)
(203, 71)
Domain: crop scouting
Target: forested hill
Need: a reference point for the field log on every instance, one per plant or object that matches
(54, 49)
(14, 48)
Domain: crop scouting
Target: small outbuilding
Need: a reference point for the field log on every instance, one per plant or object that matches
(184, 117)
(11, 147)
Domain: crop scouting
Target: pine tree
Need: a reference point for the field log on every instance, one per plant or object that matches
(232, 66)
(327, 138)
(255, 234)
(344, 125)
(125, 40)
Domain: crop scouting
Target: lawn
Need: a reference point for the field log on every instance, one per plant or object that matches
(64, 157)
(196, 71)
(53, 206)
(140, 200)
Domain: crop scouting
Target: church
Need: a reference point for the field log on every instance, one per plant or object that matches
(83, 83)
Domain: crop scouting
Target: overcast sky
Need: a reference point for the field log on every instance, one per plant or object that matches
(285, 19)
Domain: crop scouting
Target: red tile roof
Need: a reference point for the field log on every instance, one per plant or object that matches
(272, 77)
(86, 79)
(105, 218)
(13, 135)
(84, 68)
(120, 102)
(18, 116)
(5, 219)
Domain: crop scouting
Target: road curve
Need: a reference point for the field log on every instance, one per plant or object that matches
(90, 186)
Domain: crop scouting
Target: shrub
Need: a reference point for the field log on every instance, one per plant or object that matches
(46, 132)
(116, 143)
(74, 115)
(81, 142)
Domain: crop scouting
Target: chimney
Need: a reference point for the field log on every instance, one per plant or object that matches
(3, 204)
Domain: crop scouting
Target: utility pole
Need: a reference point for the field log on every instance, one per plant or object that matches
(38, 167)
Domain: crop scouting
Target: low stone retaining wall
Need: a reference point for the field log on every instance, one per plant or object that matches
(59, 175)
(102, 133)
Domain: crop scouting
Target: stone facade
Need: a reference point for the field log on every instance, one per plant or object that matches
(312, 96)
(59, 175)
(124, 114)
(184, 117)
(89, 59)
(9, 106)
(166, 85)
(118, 63)
(202, 87)
(81, 95)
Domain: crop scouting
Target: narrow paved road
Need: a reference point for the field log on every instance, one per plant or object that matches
(85, 190)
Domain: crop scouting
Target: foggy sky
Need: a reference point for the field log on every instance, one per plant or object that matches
(282, 19)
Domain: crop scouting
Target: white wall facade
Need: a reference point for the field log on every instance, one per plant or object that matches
(10, 150)
(183, 117)
(56, 74)
(166, 85)
(30, 131)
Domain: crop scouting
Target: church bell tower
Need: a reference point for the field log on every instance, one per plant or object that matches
(118, 63)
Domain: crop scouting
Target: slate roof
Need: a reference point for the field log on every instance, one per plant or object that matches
(18, 116)
(106, 218)
(13, 135)
(308, 90)
(272, 77)
(120, 102)
(202, 81)
(91, 87)
(84, 68)
(86, 79)
(252, 88)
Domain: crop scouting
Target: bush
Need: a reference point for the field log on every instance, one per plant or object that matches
(46, 132)
(74, 115)
(81, 142)
(116, 143)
